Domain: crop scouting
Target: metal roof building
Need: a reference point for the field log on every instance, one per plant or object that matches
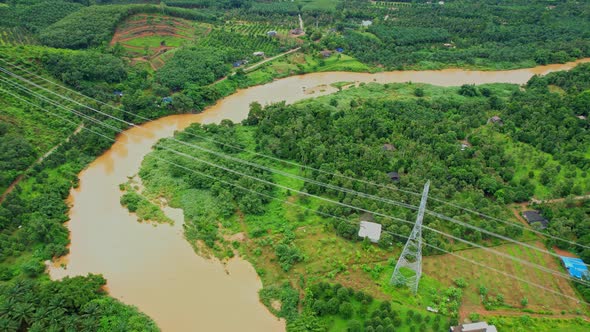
(474, 327)
(371, 230)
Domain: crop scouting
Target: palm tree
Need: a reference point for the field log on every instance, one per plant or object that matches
(23, 314)
(8, 325)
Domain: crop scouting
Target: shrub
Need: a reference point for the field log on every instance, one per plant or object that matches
(346, 310)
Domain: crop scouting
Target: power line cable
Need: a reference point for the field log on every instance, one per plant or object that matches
(243, 188)
(368, 211)
(372, 197)
(482, 215)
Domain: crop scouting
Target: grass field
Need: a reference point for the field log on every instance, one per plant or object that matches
(527, 159)
(15, 36)
(447, 268)
(325, 5)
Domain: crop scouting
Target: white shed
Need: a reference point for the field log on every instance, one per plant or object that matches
(371, 230)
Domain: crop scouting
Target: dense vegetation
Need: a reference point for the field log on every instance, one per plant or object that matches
(16, 154)
(32, 216)
(470, 33)
(470, 159)
(537, 148)
(94, 26)
(73, 304)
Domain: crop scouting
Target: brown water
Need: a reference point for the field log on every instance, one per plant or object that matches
(154, 268)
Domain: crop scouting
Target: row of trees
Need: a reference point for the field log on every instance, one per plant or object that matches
(73, 304)
(348, 136)
(32, 216)
(474, 33)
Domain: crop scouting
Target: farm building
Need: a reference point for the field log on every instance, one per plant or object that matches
(339, 49)
(474, 327)
(388, 147)
(534, 216)
(366, 23)
(370, 230)
(118, 93)
(574, 266)
(326, 54)
(496, 119)
(167, 100)
(258, 53)
(296, 32)
(394, 176)
(271, 33)
(239, 63)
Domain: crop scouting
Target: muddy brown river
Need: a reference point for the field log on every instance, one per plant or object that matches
(153, 267)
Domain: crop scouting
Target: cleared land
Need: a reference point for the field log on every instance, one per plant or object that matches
(447, 268)
(147, 37)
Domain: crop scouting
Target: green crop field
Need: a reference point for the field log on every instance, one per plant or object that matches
(448, 268)
(15, 36)
(156, 41)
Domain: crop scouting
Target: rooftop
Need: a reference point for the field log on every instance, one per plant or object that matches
(534, 216)
(474, 327)
(370, 230)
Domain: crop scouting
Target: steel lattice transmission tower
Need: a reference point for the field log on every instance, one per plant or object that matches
(411, 257)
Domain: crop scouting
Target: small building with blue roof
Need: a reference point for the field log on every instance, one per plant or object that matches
(575, 266)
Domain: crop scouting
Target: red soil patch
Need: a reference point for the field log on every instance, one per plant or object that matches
(139, 26)
(562, 252)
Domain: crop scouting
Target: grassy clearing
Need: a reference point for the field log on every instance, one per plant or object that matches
(144, 208)
(447, 268)
(156, 41)
(322, 5)
(526, 323)
(144, 35)
(531, 163)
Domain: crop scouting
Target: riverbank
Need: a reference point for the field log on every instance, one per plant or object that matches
(101, 230)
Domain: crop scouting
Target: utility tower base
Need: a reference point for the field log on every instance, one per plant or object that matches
(411, 257)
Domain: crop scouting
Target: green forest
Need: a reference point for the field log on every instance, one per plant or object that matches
(345, 134)
(492, 148)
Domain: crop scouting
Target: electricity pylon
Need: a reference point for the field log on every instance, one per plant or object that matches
(411, 257)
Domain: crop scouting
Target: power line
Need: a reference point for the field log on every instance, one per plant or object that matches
(56, 104)
(482, 215)
(539, 267)
(243, 188)
(372, 197)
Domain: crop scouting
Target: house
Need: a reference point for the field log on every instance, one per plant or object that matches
(474, 327)
(496, 119)
(534, 216)
(465, 145)
(296, 32)
(431, 309)
(394, 176)
(388, 147)
(574, 266)
(339, 49)
(326, 53)
(239, 63)
(370, 230)
(167, 100)
(581, 117)
(366, 23)
(271, 33)
(258, 53)
(118, 93)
